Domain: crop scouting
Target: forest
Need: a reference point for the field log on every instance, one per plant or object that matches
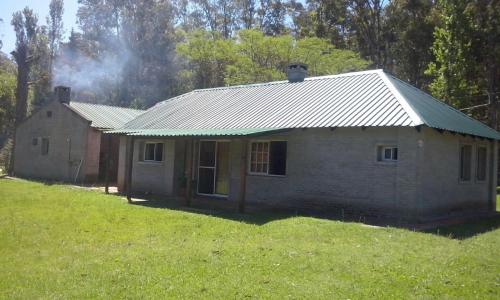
(135, 53)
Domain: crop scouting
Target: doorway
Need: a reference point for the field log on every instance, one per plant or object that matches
(213, 168)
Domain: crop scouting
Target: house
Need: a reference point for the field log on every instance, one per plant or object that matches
(363, 142)
(63, 140)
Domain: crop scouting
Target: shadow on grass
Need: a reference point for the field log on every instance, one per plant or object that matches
(459, 229)
(467, 229)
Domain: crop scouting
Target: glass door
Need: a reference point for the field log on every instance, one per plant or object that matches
(213, 168)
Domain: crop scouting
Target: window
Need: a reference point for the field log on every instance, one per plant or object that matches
(34, 141)
(45, 146)
(465, 162)
(481, 164)
(49, 114)
(153, 152)
(387, 153)
(268, 158)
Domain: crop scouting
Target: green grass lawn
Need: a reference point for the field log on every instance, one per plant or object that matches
(60, 242)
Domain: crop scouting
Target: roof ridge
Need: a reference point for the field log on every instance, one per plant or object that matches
(113, 106)
(441, 102)
(416, 118)
(322, 77)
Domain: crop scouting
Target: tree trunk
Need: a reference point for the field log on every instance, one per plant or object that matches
(21, 58)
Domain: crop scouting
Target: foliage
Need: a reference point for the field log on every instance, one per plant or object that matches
(7, 99)
(253, 57)
(62, 242)
(466, 69)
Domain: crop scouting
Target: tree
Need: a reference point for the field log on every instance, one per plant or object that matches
(55, 28)
(254, 57)
(409, 34)
(466, 54)
(25, 27)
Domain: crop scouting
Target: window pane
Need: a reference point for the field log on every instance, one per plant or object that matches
(206, 181)
(465, 162)
(395, 153)
(149, 153)
(387, 153)
(481, 164)
(277, 158)
(159, 152)
(207, 154)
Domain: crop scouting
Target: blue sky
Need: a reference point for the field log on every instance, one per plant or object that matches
(41, 8)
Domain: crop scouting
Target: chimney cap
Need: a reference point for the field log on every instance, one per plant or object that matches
(62, 93)
(296, 72)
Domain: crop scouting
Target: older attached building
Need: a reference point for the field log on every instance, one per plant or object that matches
(363, 142)
(63, 140)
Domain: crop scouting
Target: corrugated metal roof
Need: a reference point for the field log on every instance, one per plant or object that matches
(197, 132)
(369, 98)
(104, 116)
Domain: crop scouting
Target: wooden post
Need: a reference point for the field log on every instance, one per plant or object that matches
(106, 166)
(130, 162)
(243, 176)
(189, 170)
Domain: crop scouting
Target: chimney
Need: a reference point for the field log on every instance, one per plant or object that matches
(296, 72)
(62, 93)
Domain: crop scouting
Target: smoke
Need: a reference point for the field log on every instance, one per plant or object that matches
(90, 78)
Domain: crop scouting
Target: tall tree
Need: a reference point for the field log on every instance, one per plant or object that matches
(466, 53)
(26, 28)
(55, 27)
(409, 28)
(254, 57)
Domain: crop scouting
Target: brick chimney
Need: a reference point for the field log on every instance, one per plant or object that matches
(296, 72)
(62, 93)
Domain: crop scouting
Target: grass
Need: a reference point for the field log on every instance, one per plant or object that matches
(59, 242)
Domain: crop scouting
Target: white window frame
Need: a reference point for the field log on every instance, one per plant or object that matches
(382, 148)
(249, 160)
(154, 153)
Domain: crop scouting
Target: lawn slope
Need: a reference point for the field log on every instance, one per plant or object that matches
(61, 242)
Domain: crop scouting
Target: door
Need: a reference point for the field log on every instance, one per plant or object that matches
(213, 168)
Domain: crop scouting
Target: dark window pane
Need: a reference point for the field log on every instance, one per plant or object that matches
(395, 153)
(45, 146)
(159, 152)
(149, 153)
(277, 158)
(387, 153)
(465, 162)
(481, 163)
(49, 114)
(207, 154)
(34, 142)
(206, 181)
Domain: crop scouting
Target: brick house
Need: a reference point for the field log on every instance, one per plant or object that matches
(365, 142)
(63, 140)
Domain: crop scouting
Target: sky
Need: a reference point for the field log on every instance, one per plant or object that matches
(41, 8)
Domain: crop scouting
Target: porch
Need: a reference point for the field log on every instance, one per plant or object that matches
(205, 168)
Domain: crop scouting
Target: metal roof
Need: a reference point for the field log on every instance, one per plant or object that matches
(104, 116)
(359, 99)
(198, 132)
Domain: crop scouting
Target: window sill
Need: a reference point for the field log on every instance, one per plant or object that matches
(150, 162)
(266, 175)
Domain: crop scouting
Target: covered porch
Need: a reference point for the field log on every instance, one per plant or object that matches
(202, 168)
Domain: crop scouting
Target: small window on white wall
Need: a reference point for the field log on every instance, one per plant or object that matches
(387, 153)
(153, 152)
